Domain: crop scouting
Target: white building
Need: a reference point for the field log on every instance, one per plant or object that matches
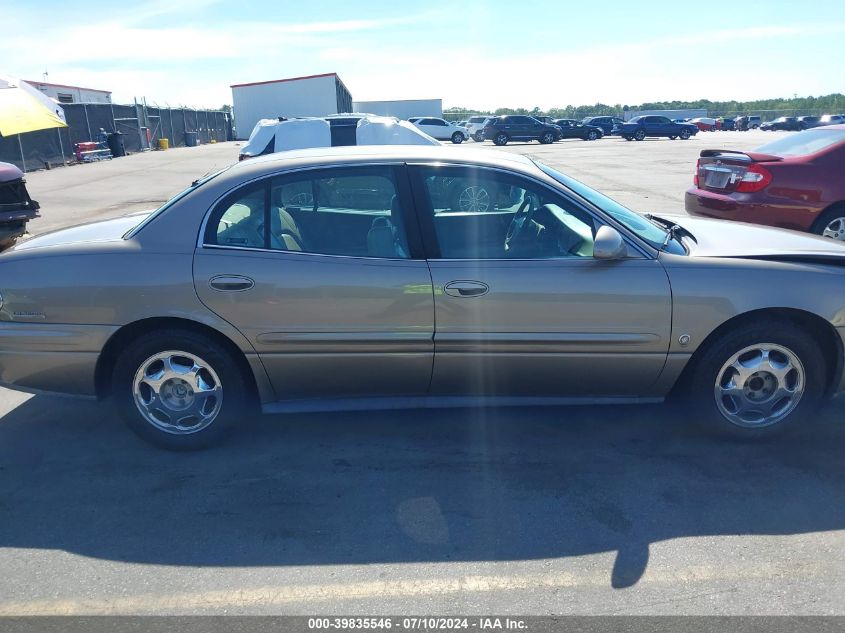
(403, 108)
(71, 94)
(315, 95)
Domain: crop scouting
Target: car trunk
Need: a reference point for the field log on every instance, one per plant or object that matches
(722, 171)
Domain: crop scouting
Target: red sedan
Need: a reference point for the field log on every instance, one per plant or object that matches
(797, 182)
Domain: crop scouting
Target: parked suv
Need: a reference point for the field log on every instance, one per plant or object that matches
(653, 125)
(475, 127)
(441, 129)
(608, 124)
(517, 127)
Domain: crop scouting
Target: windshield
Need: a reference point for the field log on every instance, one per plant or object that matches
(194, 186)
(803, 143)
(633, 221)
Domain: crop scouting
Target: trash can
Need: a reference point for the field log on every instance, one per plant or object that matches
(190, 139)
(163, 143)
(116, 145)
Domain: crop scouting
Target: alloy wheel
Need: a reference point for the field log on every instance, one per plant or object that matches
(759, 385)
(177, 392)
(835, 229)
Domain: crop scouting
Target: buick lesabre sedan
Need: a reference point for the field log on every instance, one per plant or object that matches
(345, 278)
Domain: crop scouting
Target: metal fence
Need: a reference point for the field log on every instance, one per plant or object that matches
(141, 125)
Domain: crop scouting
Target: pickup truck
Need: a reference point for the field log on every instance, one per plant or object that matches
(16, 207)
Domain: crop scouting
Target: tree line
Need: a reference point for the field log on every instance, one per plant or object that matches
(827, 104)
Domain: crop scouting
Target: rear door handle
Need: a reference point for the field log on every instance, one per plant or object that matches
(466, 288)
(231, 283)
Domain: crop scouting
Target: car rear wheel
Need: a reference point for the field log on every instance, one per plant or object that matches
(179, 390)
(592, 135)
(639, 135)
(672, 137)
(831, 223)
(457, 138)
(684, 134)
(628, 137)
(501, 139)
(758, 380)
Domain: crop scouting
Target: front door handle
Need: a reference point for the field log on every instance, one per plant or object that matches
(231, 283)
(466, 288)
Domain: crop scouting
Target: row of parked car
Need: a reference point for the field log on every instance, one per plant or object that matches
(517, 127)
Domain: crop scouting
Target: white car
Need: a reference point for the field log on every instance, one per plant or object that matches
(475, 127)
(441, 129)
(832, 119)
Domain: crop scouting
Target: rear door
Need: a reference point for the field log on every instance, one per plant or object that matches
(542, 317)
(316, 269)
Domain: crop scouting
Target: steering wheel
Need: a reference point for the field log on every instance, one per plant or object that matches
(522, 217)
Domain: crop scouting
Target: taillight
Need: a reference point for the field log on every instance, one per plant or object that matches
(695, 176)
(756, 178)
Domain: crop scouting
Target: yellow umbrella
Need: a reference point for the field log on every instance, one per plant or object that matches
(25, 109)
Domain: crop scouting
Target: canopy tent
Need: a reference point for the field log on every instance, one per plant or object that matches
(25, 109)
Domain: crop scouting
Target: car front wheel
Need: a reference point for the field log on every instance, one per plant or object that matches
(457, 138)
(478, 137)
(758, 380)
(592, 135)
(639, 135)
(672, 137)
(547, 138)
(501, 139)
(179, 390)
(628, 137)
(684, 134)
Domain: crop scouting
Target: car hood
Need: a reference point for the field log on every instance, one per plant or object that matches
(102, 231)
(722, 238)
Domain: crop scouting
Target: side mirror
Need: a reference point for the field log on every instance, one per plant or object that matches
(609, 244)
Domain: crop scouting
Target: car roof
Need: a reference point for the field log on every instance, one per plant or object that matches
(290, 158)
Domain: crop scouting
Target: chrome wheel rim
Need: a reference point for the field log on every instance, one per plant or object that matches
(835, 229)
(501, 138)
(473, 199)
(759, 385)
(177, 392)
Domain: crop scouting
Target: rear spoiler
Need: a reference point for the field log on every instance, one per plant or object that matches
(728, 153)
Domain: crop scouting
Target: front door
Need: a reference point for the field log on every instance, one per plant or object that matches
(521, 306)
(316, 269)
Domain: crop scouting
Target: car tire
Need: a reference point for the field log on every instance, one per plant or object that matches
(831, 223)
(547, 138)
(757, 348)
(672, 137)
(478, 137)
(639, 135)
(684, 134)
(178, 363)
(457, 138)
(628, 137)
(592, 135)
(501, 139)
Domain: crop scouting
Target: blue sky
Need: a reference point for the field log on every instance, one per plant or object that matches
(472, 54)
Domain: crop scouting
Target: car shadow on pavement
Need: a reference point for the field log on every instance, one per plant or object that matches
(450, 485)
